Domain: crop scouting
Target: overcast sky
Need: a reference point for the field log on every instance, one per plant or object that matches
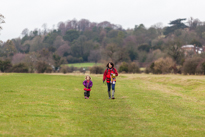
(31, 14)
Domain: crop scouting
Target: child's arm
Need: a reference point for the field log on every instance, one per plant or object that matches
(91, 84)
(84, 83)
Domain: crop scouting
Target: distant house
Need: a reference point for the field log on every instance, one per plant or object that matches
(193, 48)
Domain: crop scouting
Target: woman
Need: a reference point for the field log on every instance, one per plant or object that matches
(110, 74)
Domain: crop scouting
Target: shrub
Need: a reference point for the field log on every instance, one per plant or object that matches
(163, 65)
(82, 69)
(129, 67)
(67, 69)
(190, 65)
(20, 68)
(5, 65)
(133, 68)
(42, 67)
(147, 70)
(123, 67)
(96, 70)
(201, 67)
(49, 69)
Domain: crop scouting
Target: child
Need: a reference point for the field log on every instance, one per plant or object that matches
(110, 74)
(88, 84)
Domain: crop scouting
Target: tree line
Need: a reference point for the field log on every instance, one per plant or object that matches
(84, 41)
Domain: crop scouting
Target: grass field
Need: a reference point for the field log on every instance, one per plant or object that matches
(145, 105)
(79, 65)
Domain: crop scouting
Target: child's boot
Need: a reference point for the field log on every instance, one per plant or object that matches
(85, 94)
(113, 93)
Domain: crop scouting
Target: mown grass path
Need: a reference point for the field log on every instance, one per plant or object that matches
(145, 105)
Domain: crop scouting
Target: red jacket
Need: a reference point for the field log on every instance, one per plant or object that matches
(107, 74)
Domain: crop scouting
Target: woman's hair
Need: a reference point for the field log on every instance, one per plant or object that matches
(111, 64)
(88, 76)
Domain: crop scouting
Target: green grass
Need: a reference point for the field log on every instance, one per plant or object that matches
(145, 105)
(79, 65)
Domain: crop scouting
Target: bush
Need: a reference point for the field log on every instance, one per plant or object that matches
(123, 67)
(133, 68)
(96, 70)
(20, 68)
(201, 67)
(163, 65)
(67, 69)
(5, 65)
(49, 69)
(190, 65)
(129, 68)
(147, 70)
(82, 69)
(42, 67)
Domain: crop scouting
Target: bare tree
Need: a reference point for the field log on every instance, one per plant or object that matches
(18, 58)
(25, 32)
(110, 50)
(63, 49)
(1, 21)
(193, 23)
(44, 26)
(95, 56)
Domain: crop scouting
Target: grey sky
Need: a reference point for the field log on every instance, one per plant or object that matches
(32, 14)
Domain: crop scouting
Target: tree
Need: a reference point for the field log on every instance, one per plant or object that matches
(110, 50)
(5, 65)
(120, 37)
(58, 61)
(10, 48)
(175, 24)
(120, 55)
(18, 58)
(95, 56)
(196, 43)
(25, 32)
(140, 32)
(71, 35)
(50, 38)
(1, 20)
(144, 47)
(175, 51)
(63, 49)
(193, 23)
(44, 26)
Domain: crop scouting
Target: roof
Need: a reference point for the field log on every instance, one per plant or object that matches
(188, 46)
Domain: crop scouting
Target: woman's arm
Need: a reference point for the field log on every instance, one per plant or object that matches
(105, 74)
(116, 72)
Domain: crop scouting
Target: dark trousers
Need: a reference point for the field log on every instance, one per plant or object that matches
(109, 86)
(87, 93)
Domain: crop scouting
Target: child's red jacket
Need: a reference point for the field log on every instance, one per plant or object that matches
(107, 74)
